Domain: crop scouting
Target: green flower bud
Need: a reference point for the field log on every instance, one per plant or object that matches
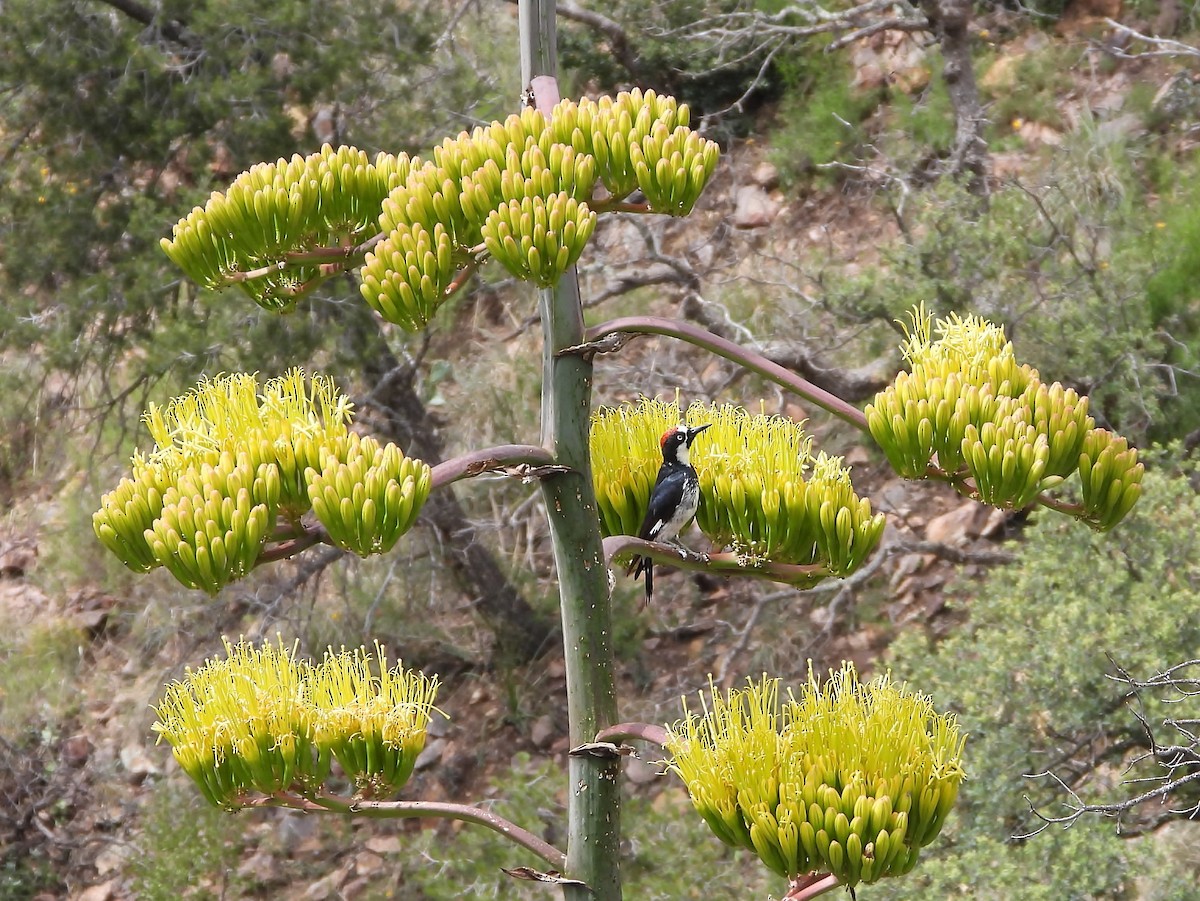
(128, 511)
(330, 198)
(664, 161)
(1111, 478)
(538, 238)
(369, 496)
(210, 532)
(969, 407)
(406, 278)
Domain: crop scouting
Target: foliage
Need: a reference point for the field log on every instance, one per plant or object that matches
(1076, 259)
(820, 119)
(112, 126)
(712, 75)
(37, 666)
(1026, 675)
(187, 849)
(1030, 88)
(673, 855)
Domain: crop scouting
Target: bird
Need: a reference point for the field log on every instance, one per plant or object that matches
(674, 498)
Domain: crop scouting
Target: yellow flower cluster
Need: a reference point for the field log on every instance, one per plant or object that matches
(843, 777)
(762, 493)
(229, 459)
(327, 199)
(968, 407)
(262, 721)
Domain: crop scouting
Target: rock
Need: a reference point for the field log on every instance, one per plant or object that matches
(955, 527)
(439, 724)
(889, 58)
(355, 888)
(1119, 127)
(1037, 133)
(857, 456)
(384, 844)
(639, 772)
(432, 754)
(543, 731)
(1002, 74)
(765, 175)
(994, 523)
(367, 864)
(261, 870)
(137, 762)
(754, 208)
(111, 859)
(17, 557)
(105, 891)
(296, 834)
(323, 888)
(76, 750)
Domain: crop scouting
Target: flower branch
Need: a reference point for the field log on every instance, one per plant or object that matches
(648, 732)
(343, 255)
(427, 809)
(810, 886)
(653, 325)
(725, 563)
(521, 460)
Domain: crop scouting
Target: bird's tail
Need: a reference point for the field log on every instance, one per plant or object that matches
(645, 565)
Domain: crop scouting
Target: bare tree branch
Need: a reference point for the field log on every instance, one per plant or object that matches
(1164, 47)
(1179, 763)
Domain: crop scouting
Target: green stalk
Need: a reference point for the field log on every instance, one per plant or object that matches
(593, 834)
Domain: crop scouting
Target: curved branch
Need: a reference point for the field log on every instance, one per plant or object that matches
(649, 732)
(443, 810)
(653, 325)
(339, 258)
(724, 563)
(810, 886)
(290, 547)
(524, 460)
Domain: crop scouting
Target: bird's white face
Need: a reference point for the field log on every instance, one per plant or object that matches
(683, 455)
(675, 440)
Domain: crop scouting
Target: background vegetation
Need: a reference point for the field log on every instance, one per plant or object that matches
(1086, 247)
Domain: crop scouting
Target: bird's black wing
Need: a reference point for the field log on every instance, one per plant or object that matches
(666, 496)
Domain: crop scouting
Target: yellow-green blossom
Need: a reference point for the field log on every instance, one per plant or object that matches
(230, 458)
(843, 777)
(757, 496)
(373, 720)
(989, 424)
(262, 721)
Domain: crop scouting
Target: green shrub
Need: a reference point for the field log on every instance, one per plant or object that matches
(186, 848)
(1026, 675)
(820, 120)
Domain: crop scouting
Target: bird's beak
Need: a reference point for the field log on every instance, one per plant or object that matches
(693, 432)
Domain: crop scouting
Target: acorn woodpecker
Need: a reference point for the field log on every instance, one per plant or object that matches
(674, 498)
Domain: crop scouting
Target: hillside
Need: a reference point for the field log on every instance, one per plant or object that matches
(841, 201)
